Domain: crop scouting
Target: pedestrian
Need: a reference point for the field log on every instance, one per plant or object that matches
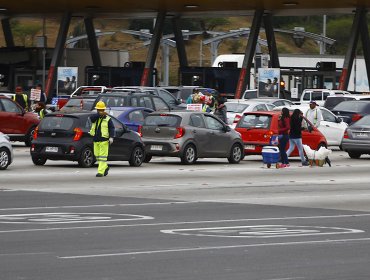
(102, 130)
(314, 114)
(41, 109)
(295, 135)
(221, 110)
(21, 98)
(42, 95)
(284, 127)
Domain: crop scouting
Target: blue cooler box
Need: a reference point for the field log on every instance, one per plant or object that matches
(270, 154)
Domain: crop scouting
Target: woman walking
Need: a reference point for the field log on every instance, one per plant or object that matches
(284, 127)
(295, 135)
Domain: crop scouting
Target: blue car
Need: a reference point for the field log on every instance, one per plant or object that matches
(132, 117)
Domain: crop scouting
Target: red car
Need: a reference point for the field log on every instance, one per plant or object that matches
(256, 129)
(15, 122)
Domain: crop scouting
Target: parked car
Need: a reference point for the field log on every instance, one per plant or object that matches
(257, 128)
(352, 111)
(356, 140)
(319, 95)
(237, 107)
(78, 103)
(332, 101)
(6, 151)
(133, 99)
(15, 122)
(66, 137)
(132, 117)
(190, 135)
(174, 103)
(331, 126)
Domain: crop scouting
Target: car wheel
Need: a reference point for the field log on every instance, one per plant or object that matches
(4, 158)
(137, 157)
(147, 158)
(29, 137)
(86, 158)
(38, 160)
(236, 154)
(354, 154)
(189, 155)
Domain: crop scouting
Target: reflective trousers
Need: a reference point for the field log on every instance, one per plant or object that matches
(101, 150)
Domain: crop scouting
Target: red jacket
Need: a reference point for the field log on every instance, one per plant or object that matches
(284, 126)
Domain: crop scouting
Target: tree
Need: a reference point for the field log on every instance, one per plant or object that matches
(24, 32)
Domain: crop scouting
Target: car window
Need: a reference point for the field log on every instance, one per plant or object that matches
(307, 96)
(168, 97)
(325, 95)
(9, 106)
(160, 105)
(213, 123)
(56, 122)
(327, 116)
(136, 116)
(255, 121)
(115, 101)
(163, 120)
(350, 106)
(317, 95)
(279, 103)
(146, 101)
(236, 107)
(270, 107)
(260, 107)
(196, 121)
(306, 125)
(117, 124)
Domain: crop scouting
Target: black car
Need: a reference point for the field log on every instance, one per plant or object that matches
(352, 111)
(66, 137)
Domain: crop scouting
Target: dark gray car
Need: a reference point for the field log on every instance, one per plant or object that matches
(190, 135)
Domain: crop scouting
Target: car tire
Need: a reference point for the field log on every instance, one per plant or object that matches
(355, 155)
(29, 136)
(236, 154)
(137, 157)
(4, 158)
(87, 158)
(147, 158)
(189, 155)
(38, 160)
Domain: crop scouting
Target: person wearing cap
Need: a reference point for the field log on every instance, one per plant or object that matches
(21, 98)
(314, 114)
(102, 130)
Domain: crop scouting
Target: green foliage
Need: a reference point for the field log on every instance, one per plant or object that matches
(26, 32)
(339, 29)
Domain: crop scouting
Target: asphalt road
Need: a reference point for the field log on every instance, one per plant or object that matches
(164, 220)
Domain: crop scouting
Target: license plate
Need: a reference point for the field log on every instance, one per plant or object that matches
(51, 149)
(362, 135)
(249, 147)
(156, 147)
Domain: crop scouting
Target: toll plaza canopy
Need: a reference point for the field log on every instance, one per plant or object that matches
(136, 8)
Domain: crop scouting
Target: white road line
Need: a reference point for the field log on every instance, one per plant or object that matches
(176, 250)
(191, 222)
(100, 205)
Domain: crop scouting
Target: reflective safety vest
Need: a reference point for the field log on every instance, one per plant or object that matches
(103, 123)
(25, 98)
(42, 113)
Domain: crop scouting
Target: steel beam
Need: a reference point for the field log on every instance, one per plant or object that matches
(58, 52)
(352, 45)
(180, 45)
(244, 77)
(93, 43)
(153, 48)
(8, 35)
(270, 35)
(365, 45)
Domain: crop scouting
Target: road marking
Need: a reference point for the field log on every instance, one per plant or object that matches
(262, 231)
(188, 222)
(100, 205)
(177, 250)
(68, 218)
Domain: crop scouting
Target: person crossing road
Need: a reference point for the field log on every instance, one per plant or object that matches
(102, 130)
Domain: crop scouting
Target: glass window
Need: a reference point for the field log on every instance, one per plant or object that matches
(136, 116)
(160, 105)
(317, 95)
(236, 107)
(163, 120)
(10, 106)
(307, 96)
(255, 121)
(197, 121)
(260, 107)
(213, 124)
(167, 96)
(327, 116)
(60, 123)
(146, 101)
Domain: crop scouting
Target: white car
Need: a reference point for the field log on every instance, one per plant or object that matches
(331, 126)
(237, 107)
(320, 95)
(6, 151)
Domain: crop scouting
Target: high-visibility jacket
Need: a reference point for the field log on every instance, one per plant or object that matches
(42, 113)
(25, 98)
(104, 128)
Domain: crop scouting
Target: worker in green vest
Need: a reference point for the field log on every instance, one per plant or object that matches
(21, 98)
(102, 130)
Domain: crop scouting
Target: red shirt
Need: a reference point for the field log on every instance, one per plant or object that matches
(284, 126)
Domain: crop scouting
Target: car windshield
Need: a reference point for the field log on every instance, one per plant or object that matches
(163, 120)
(255, 121)
(351, 106)
(57, 122)
(236, 107)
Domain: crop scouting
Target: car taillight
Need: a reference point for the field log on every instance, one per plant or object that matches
(356, 117)
(139, 130)
(237, 118)
(345, 135)
(32, 147)
(35, 133)
(180, 132)
(81, 104)
(78, 134)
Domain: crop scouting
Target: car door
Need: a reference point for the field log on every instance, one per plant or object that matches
(160, 105)
(199, 132)
(12, 120)
(218, 139)
(332, 130)
(121, 147)
(168, 98)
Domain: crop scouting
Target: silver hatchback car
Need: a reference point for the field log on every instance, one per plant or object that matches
(190, 135)
(6, 151)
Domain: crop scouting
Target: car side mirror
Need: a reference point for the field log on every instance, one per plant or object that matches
(338, 120)
(178, 101)
(119, 132)
(227, 128)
